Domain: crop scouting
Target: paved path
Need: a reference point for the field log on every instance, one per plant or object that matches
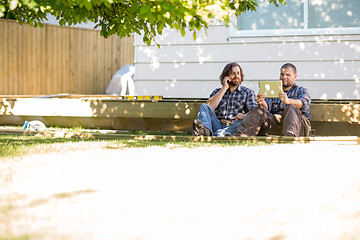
(223, 193)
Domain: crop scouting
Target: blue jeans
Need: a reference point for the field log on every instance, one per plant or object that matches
(207, 116)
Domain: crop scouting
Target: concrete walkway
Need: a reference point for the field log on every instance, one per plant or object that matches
(273, 192)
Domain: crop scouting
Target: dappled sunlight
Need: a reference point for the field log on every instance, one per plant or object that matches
(6, 107)
(282, 17)
(204, 56)
(339, 117)
(154, 114)
(352, 111)
(150, 52)
(144, 109)
(334, 14)
(170, 84)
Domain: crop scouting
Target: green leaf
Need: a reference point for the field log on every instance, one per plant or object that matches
(194, 35)
(2, 10)
(182, 30)
(125, 17)
(160, 27)
(62, 22)
(145, 10)
(88, 4)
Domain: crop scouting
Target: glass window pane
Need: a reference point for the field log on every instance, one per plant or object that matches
(268, 16)
(334, 13)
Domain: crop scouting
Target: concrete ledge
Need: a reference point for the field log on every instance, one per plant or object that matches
(328, 118)
(174, 138)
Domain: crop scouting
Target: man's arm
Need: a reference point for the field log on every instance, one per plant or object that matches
(284, 98)
(260, 98)
(214, 101)
(251, 103)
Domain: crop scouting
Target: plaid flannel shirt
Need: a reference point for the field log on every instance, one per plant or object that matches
(242, 100)
(276, 106)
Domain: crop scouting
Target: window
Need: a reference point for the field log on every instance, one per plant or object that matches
(334, 13)
(300, 16)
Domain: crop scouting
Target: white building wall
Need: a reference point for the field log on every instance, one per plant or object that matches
(328, 65)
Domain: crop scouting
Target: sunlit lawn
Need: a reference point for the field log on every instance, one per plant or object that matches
(12, 145)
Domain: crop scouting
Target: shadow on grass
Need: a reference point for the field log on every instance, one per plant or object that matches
(15, 145)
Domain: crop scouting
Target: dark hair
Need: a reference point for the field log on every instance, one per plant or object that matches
(228, 69)
(289, 65)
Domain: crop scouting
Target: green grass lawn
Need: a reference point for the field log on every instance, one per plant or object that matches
(15, 145)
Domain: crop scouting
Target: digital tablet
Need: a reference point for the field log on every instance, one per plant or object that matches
(270, 89)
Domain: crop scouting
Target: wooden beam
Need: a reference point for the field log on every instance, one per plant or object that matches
(98, 108)
(335, 112)
(109, 112)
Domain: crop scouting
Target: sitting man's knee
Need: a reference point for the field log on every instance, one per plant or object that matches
(205, 106)
(258, 110)
(291, 106)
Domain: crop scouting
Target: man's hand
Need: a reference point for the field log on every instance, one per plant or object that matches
(284, 98)
(214, 101)
(260, 98)
(225, 82)
(240, 116)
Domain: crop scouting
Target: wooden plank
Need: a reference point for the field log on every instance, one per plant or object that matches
(65, 60)
(56, 86)
(128, 47)
(116, 63)
(171, 88)
(335, 128)
(92, 62)
(265, 52)
(98, 108)
(336, 112)
(106, 77)
(30, 58)
(109, 58)
(213, 34)
(24, 68)
(97, 82)
(72, 62)
(3, 37)
(78, 70)
(324, 71)
(99, 58)
(12, 73)
(40, 66)
(328, 119)
(7, 79)
(110, 107)
(31, 61)
(50, 73)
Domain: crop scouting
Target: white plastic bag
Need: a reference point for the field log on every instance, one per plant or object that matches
(34, 126)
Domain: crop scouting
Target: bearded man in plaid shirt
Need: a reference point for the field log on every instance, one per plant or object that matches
(227, 106)
(287, 115)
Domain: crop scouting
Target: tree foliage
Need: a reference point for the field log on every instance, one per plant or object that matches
(124, 17)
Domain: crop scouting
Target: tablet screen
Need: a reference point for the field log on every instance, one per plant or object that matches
(270, 89)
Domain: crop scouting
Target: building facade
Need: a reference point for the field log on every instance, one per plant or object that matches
(322, 38)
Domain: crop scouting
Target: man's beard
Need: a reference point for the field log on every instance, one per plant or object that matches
(286, 84)
(233, 83)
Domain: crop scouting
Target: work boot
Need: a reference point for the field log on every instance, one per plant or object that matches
(199, 129)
